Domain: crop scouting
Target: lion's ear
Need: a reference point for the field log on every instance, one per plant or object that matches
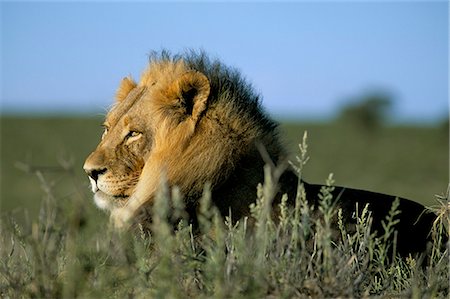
(126, 85)
(193, 90)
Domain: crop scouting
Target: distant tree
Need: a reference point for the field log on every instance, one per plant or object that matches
(368, 112)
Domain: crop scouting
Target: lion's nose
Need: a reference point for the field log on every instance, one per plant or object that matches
(94, 173)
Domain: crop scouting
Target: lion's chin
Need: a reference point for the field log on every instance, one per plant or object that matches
(108, 202)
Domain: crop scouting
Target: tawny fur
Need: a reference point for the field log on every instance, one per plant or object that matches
(193, 141)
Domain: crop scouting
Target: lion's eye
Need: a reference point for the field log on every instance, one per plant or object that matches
(132, 136)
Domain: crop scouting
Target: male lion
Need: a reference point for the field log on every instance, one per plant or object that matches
(195, 121)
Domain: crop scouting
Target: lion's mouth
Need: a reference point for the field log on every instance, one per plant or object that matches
(120, 196)
(107, 201)
(95, 189)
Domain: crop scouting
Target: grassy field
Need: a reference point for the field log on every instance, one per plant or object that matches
(411, 162)
(55, 243)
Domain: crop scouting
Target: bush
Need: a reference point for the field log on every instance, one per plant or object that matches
(369, 112)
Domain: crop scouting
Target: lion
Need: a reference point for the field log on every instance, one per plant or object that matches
(191, 120)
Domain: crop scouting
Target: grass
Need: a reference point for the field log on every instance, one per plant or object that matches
(408, 161)
(65, 247)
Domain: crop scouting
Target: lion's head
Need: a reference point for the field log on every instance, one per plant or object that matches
(188, 118)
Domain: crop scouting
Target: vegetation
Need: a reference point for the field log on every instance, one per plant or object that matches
(369, 112)
(66, 249)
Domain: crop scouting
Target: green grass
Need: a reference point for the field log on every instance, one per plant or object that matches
(54, 243)
(47, 144)
(410, 162)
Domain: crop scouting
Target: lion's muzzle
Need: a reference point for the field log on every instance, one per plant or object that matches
(93, 174)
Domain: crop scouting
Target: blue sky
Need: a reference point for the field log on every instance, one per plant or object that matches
(307, 59)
